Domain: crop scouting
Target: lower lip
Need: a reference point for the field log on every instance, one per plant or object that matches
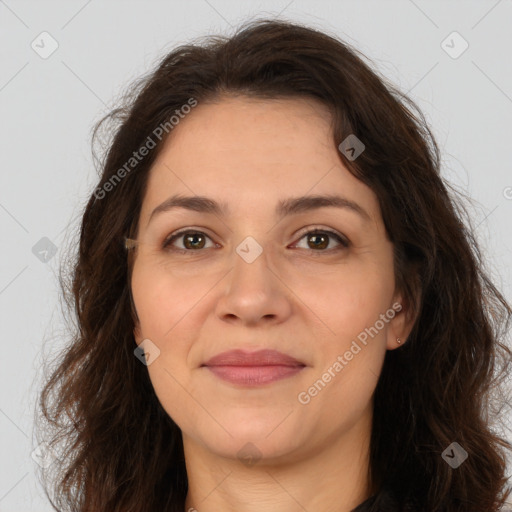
(254, 375)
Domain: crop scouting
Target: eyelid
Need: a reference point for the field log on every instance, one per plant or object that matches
(342, 239)
(180, 232)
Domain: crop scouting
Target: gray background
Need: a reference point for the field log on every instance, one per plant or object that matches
(49, 105)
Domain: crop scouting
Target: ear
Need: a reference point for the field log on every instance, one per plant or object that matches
(137, 334)
(400, 326)
(136, 329)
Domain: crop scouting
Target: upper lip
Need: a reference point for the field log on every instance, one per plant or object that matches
(258, 358)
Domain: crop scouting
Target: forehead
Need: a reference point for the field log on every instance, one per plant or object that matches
(255, 152)
(239, 126)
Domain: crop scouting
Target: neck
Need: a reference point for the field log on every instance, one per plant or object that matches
(330, 478)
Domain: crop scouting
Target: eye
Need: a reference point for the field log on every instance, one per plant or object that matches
(319, 240)
(192, 240)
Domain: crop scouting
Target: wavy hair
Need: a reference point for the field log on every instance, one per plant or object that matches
(118, 448)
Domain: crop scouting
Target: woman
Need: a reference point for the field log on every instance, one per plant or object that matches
(279, 307)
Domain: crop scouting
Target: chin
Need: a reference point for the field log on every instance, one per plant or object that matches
(254, 442)
(250, 452)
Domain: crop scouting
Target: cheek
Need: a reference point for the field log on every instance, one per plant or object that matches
(349, 303)
(162, 303)
(348, 299)
(163, 300)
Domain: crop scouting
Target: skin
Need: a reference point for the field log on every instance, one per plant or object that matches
(249, 154)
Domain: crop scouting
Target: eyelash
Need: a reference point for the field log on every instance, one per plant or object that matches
(315, 231)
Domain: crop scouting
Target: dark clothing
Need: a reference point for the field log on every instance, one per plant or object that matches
(370, 504)
(383, 502)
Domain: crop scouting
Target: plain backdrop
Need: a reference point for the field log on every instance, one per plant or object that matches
(49, 103)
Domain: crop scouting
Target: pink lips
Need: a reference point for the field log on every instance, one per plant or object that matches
(253, 368)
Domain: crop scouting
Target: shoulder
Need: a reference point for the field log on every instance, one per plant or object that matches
(385, 501)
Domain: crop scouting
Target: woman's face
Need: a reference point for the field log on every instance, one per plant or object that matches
(253, 279)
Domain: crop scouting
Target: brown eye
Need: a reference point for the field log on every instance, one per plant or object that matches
(320, 239)
(194, 241)
(191, 240)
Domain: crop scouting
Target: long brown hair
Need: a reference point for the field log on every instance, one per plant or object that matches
(120, 451)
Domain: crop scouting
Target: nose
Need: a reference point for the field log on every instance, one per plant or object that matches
(254, 293)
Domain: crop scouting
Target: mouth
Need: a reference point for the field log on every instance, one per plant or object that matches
(253, 369)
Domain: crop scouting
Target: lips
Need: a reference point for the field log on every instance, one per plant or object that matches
(250, 369)
(259, 358)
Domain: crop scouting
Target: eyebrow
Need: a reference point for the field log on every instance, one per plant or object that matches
(285, 207)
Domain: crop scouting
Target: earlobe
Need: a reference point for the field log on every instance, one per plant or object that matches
(400, 326)
(393, 341)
